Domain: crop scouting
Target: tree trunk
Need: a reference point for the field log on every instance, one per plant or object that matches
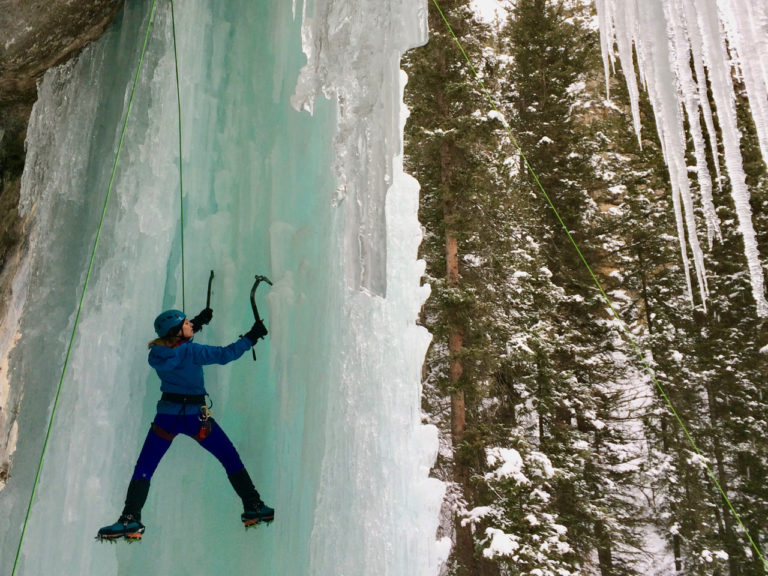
(455, 344)
(728, 534)
(644, 290)
(464, 551)
(465, 546)
(678, 553)
(604, 553)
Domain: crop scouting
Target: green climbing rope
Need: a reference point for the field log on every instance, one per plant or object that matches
(181, 161)
(85, 288)
(597, 282)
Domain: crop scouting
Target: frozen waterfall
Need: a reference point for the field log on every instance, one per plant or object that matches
(292, 169)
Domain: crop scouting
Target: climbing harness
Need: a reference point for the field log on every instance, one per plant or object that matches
(599, 285)
(256, 317)
(198, 400)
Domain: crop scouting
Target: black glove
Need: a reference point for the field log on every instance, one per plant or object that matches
(201, 320)
(258, 330)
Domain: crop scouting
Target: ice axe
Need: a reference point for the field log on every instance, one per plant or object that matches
(203, 318)
(210, 283)
(256, 317)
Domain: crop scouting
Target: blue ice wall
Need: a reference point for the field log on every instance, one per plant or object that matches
(327, 420)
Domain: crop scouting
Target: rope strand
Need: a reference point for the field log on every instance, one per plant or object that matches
(181, 161)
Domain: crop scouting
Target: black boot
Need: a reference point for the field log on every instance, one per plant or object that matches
(129, 524)
(255, 510)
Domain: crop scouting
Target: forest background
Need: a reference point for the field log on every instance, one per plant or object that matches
(561, 454)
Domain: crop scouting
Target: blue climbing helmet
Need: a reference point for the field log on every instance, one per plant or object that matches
(169, 322)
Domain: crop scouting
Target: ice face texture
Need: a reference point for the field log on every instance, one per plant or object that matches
(328, 419)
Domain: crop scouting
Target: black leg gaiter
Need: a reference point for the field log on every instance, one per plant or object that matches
(138, 490)
(243, 485)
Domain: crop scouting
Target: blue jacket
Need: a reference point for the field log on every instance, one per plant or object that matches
(181, 368)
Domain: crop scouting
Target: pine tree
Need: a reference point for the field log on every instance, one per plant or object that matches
(704, 361)
(554, 54)
(555, 430)
(449, 150)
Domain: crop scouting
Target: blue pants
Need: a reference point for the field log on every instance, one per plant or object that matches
(167, 426)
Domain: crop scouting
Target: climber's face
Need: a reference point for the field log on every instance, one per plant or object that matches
(186, 329)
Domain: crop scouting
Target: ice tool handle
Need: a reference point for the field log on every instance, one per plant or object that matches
(256, 317)
(210, 283)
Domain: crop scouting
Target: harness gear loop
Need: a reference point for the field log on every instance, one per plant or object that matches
(206, 423)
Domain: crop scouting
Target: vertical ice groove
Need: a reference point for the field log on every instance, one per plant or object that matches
(63, 188)
(355, 65)
(668, 36)
(383, 507)
(40, 188)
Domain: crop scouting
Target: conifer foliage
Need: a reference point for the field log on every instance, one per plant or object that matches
(561, 453)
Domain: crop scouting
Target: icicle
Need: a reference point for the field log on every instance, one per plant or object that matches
(719, 73)
(668, 35)
(697, 51)
(624, 32)
(746, 22)
(691, 95)
(658, 56)
(605, 22)
(681, 237)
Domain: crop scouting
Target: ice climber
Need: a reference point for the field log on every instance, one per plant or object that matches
(182, 409)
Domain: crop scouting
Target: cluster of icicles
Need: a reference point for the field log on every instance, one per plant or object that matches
(683, 47)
